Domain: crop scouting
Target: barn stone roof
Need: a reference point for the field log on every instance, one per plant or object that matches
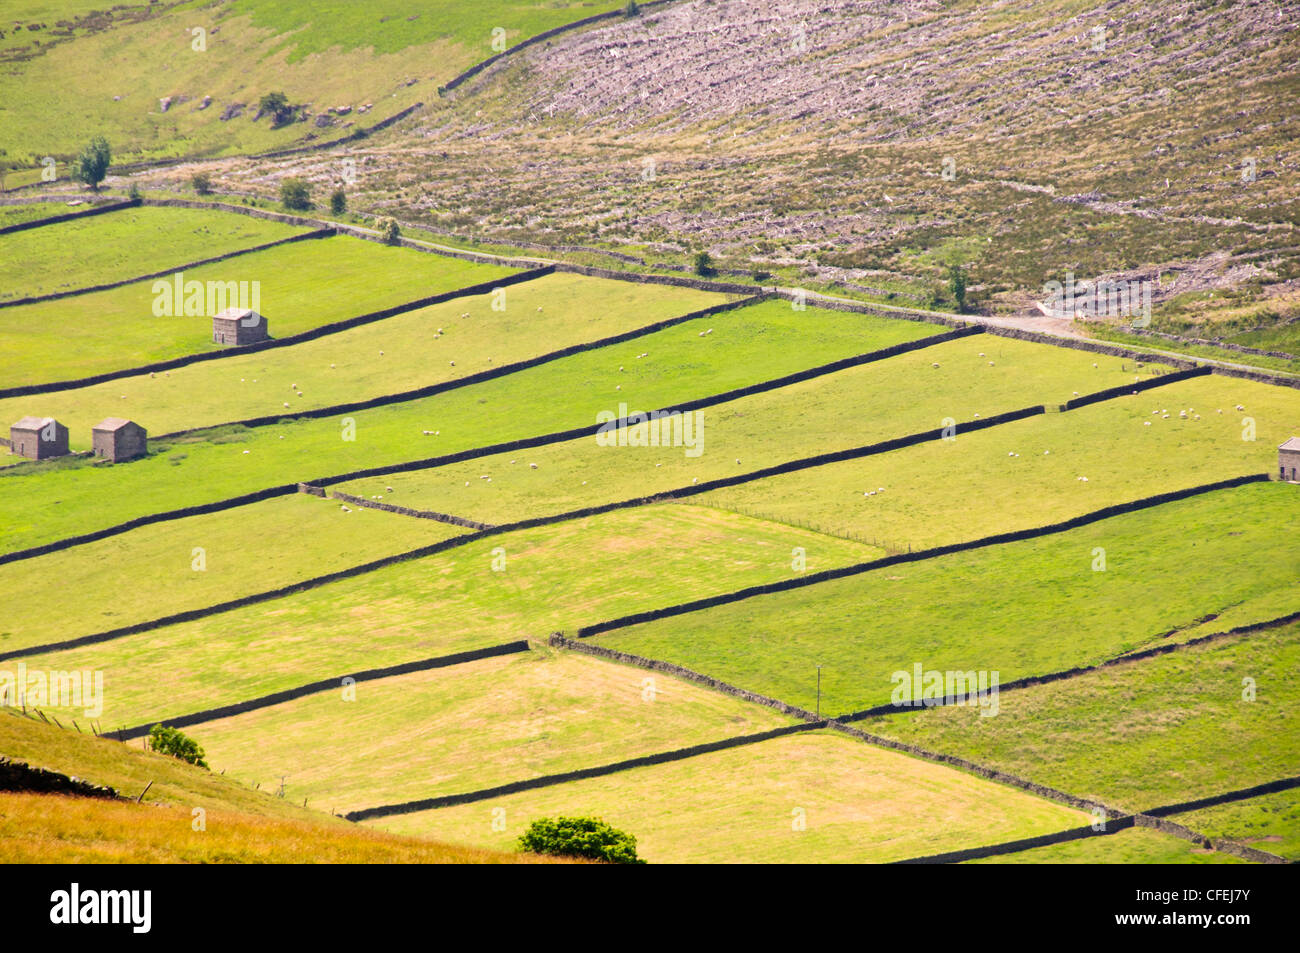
(33, 423)
(1292, 444)
(113, 423)
(235, 314)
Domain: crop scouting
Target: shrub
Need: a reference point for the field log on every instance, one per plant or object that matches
(133, 193)
(202, 183)
(338, 202)
(704, 264)
(389, 230)
(173, 742)
(588, 837)
(632, 9)
(957, 285)
(295, 194)
(92, 165)
(277, 106)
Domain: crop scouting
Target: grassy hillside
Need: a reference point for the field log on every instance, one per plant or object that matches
(263, 546)
(1145, 734)
(302, 286)
(857, 804)
(243, 825)
(44, 829)
(553, 577)
(473, 726)
(678, 365)
(1125, 451)
(444, 342)
(1022, 608)
(346, 66)
(138, 241)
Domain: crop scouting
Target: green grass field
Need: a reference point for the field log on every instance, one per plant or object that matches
(863, 405)
(15, 214)
(397, 354)
(1270, 823)
(121, 245)
(248, 550)
(760, 344)
(469, 727)
(303, 286)
(1110, 443)
(322, 55)
(1141, 735)
(1023, 608)
(552, 578)
(858, 804)
(1138, 845)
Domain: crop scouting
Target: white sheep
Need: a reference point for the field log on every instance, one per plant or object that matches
(532, 466)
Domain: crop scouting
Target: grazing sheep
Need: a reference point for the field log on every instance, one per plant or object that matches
(532, 466)
(1239, 407)
(1146, 423)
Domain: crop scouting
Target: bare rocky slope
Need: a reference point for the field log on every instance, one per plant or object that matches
(876, 142)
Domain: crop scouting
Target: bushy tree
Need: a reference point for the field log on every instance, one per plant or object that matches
(957, 285)
(171, 741)
(92, 165)
(202, 183)
(632, 9)
(587, 837)
(295, 194)
(277, 106)
(389, 230)
(338, 202)
(704, 264)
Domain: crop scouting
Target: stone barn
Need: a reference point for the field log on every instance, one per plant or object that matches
(116, 439)
(239, 326)
(1288, 460)
(39, 438)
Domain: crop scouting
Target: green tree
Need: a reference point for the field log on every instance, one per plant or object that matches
(295, 194)
(173, 742)
(338, 202)
(92, 165)
(957, 285)
(588, 837)
(277, 106)
(202, 183)
(704, 264)
(632, 9)
(389, 230)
